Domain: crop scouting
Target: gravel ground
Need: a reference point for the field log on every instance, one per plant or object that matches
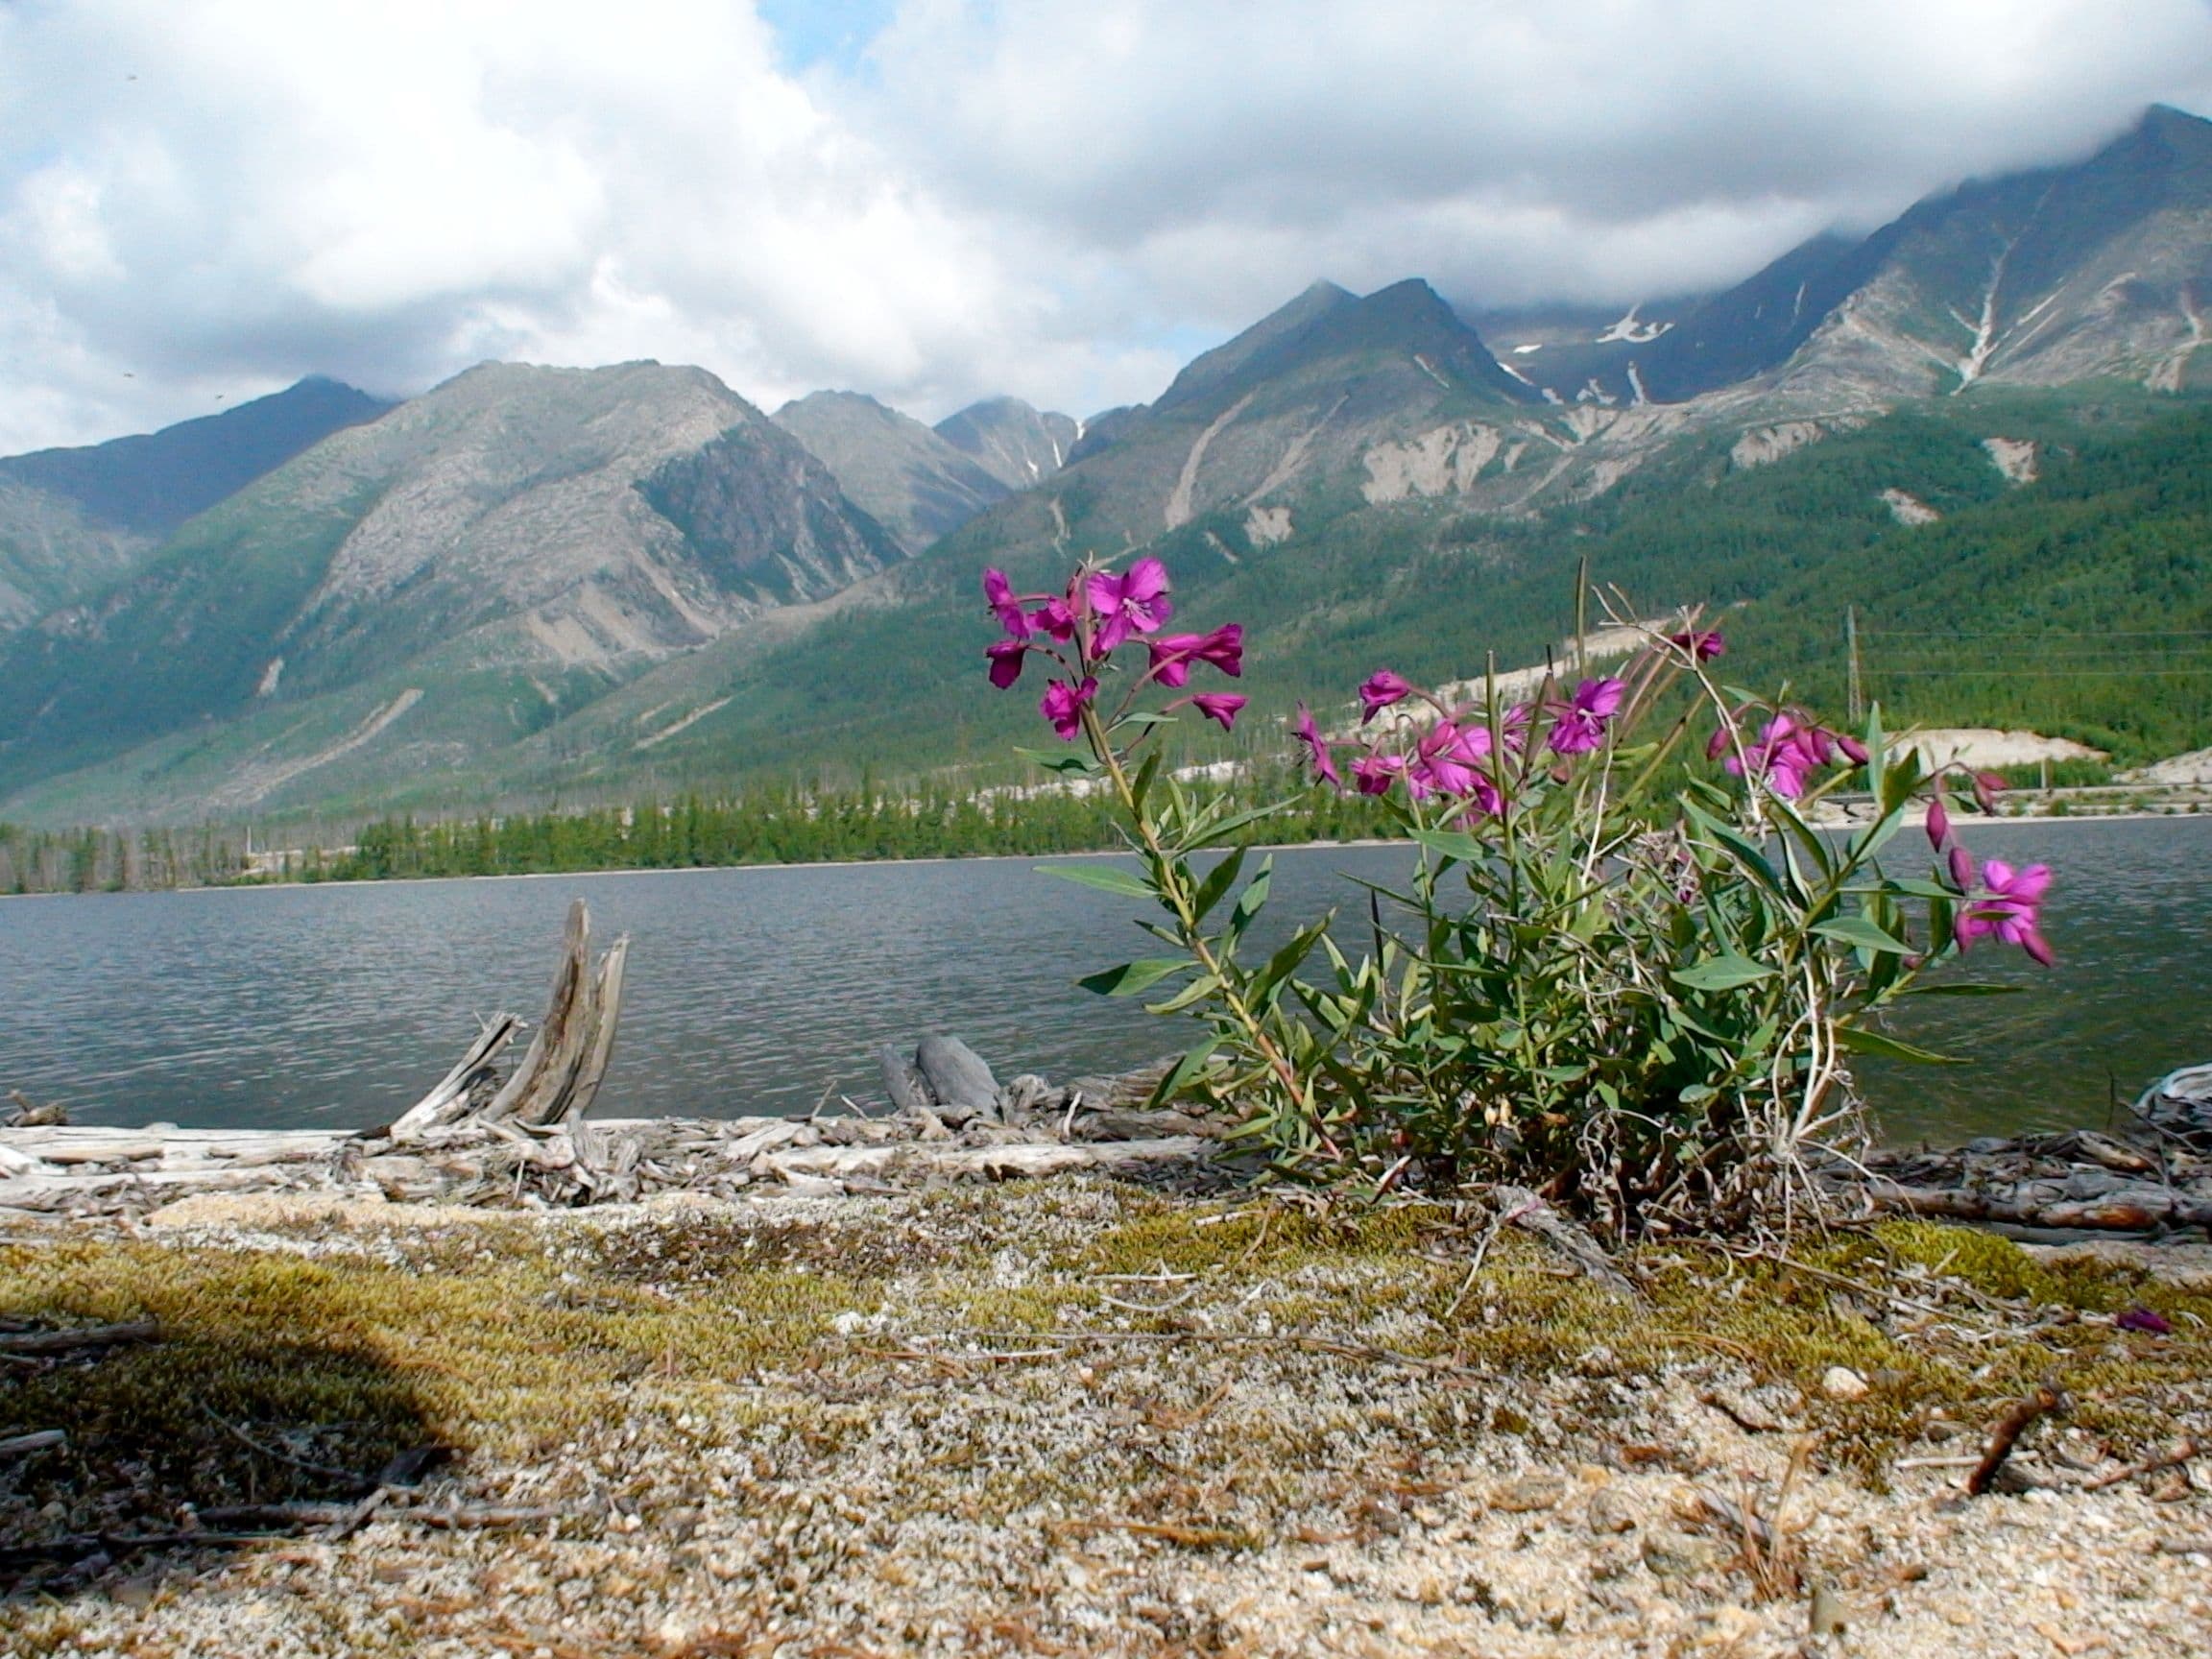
(1086, 1419)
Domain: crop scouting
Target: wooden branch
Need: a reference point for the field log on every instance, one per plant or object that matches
(449, 1100)
(71, 1341)
(22, 1445)
(2048, 1398)
(2171, 1457)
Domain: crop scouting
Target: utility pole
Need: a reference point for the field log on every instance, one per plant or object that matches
(1854, 697)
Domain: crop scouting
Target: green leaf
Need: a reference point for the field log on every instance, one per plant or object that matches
(1964, 988)
(1196, 991)
(1186, 1069)
(1103, 876)
(1142, 784)
(1217, 882)
(1251, 900)
(1722, 973)
(1451, 843)
(1889, 1047)
(1131, 977)
(1057, 761)
(1208, 834)
(1284, 961)
(1860, 933)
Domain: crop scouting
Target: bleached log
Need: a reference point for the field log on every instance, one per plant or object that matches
(449, 1100)
(560, 1070)
(1007, 1163)
(13, 1164)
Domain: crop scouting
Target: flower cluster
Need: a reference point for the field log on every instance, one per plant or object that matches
(1997, 901)
(1785, 754)
(1080, 628)
(1465, 753)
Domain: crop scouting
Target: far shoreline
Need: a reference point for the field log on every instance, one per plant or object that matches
(1825, 821)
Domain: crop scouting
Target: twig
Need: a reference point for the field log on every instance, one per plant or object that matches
(79, 1546)
(37, 1441)
(1953, 1461)
(356, 1517)
(2180, 1452)
(1190, 1537)
(351, 1476)
(88, 1337)
(2048, 1398)
(1481, 1250)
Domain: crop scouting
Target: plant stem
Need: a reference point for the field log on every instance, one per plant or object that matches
(1169, 881)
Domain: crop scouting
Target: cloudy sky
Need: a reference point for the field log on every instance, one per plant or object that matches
(934, 200)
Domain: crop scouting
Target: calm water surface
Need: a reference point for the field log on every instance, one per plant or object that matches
(765, 990)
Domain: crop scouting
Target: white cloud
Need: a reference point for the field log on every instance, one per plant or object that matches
(217, 196)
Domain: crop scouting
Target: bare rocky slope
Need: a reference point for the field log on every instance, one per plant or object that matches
(514, 541)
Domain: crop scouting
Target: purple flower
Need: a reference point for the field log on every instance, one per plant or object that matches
(1938, 821)
(1221, 706)
(1703, 646)
(1005, 662)
(1783, 755)
(1063, 704)
(2006, 907)
(1852, 750)
(1132, 604)
(1580, 724)
(1056, 617)
(2145, 1319)
(1987, 785)
(1174, 654)
(1382, 690)
(998, 594)
(1316, 746)
(1442, 763)
(1372, 774)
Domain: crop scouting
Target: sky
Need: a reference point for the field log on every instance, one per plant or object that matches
(934, 201)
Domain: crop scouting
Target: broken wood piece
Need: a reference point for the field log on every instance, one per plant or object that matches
(1526, 1210)
(2047, 1398)
(39, 1440)
(2167, 1457)
(449, 1098)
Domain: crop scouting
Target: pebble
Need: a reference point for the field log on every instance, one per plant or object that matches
(1610, 1512)
(1841, 1382)
(1827, 1615)
(1531, 1492)
(1672, 1554)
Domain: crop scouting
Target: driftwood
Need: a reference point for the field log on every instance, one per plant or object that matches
(2151, 1175)
(527, 1141)
(475, 1138)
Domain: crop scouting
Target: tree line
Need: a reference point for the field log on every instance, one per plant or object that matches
(688, 832)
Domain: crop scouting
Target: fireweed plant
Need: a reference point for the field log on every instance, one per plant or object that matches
(1638, 994)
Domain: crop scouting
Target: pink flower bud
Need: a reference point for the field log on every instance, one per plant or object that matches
(1938, 821)
(1962, 867)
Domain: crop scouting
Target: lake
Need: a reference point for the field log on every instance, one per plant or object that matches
(767, 990)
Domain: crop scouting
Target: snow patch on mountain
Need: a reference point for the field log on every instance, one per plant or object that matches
(1632, 330)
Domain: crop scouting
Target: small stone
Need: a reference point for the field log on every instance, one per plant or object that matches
(1672, 1554)
(1827, 1615)
(1610, 1512)
(1529, 1492)
(1841, 1382)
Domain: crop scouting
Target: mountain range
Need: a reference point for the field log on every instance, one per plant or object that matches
(529, 582)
